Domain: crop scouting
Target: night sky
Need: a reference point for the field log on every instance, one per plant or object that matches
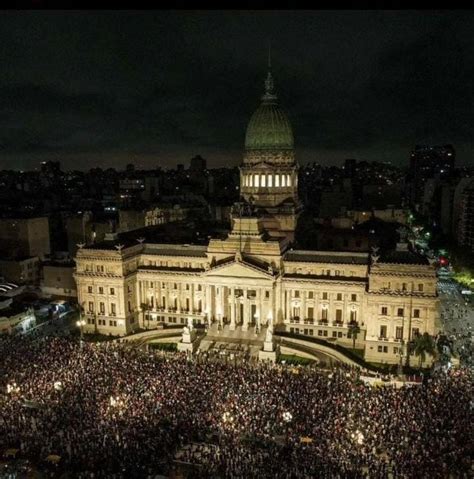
(156, 88)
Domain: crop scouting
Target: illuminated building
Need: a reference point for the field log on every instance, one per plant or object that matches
(252, 276)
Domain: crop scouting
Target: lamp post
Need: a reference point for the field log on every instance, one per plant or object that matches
(80, 323)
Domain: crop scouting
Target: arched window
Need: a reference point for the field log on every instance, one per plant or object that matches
(270, 180)
(288, 180)
(283, 180)
(262, 181)
(256, 178)
(250, 180)
(277, 180)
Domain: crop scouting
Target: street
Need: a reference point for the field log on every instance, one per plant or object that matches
(457, 317)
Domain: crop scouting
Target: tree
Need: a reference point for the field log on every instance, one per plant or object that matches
(354, 330)
(423, 344)
(145, 307)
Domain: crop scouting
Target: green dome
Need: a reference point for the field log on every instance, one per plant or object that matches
(269, 129)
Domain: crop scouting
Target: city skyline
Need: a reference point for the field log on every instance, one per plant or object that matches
(156, 88)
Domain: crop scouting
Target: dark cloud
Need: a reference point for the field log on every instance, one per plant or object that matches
(159, 87)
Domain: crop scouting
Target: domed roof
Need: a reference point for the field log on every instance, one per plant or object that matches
(269, 127)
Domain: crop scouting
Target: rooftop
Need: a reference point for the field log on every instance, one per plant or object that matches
(326, 257)
(403, 257)
(176, 233)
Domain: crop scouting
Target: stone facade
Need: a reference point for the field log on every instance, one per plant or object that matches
(315, 293)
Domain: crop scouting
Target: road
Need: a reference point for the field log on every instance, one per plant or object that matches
(457, 317)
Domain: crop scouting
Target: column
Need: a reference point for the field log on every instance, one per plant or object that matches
(232, 309)
(245, 319)
(303, 293)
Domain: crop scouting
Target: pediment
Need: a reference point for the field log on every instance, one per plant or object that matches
(239, 269)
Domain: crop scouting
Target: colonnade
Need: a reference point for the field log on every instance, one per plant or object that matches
(269, 180)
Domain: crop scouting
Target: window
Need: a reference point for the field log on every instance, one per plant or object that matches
(112, 291)
(310, 295)
(395, 350)
(101, 290)
(334, 334)
(420, 287)
(353, 297)
(383, 331)
(404, 286)
(89, 289)
(324, 314)
(339, 334)
(102, 308)
(91, 307)
(187, 287)
(400, 312)
(339, 297)
(310, 313)
(129, 307)
(267, 294)
(339, 315)
(163, 302)
(384, 311)
(328, 272)
(113, 323)
(353, 316)
(129, 288)
(379, 349)
(416, 313)
(320, 332)
(297, 294)
(325, 333)
(100, 269)
(415, 332)
(385, 349)
(112, 309)
(337, 273)
(199, 287)
(398, 332)
(325, 296)
(175, 286)
(163, 285)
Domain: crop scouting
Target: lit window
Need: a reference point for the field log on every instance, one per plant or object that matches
(277, 180)
(263, 180)
(256, 178)
(270, 180)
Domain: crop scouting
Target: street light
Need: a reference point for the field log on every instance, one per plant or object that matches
(80, 323)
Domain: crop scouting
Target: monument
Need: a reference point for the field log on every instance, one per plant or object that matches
(268, 352)
(188, 341)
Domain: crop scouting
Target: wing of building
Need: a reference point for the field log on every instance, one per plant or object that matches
(252, 275)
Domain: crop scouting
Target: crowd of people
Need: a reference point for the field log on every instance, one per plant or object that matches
(112, 411)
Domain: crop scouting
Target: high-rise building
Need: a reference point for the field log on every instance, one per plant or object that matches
(198, 164)
(428, 162)
(465, 226)
(24, 237)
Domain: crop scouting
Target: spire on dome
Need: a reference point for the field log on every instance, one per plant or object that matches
(269, 85)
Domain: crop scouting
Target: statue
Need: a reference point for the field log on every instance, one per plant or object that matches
(186, 331)
(190, 324)
(270, 269)
(402, 231)
(269, 335)
(238, 256)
